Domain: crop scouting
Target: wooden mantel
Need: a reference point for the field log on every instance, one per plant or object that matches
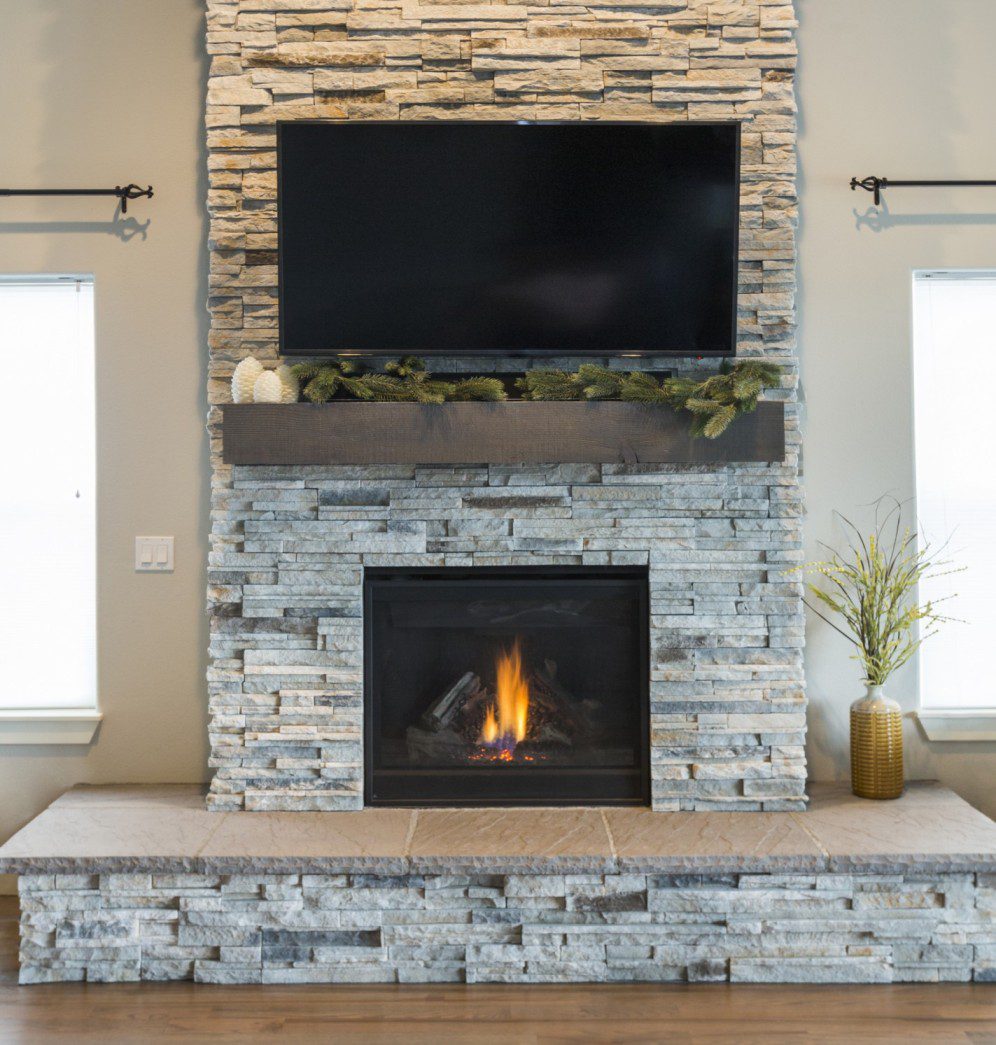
(496, 433)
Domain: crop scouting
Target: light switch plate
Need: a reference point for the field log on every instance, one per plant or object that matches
(154, 554)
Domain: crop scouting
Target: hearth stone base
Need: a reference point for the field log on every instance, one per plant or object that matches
(143, 883)
(508, 928)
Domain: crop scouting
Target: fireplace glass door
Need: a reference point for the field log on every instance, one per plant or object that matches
(506, 686)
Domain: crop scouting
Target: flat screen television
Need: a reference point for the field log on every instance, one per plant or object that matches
(508, 238)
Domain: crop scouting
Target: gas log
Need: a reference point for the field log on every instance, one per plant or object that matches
(440, 714)
(449, 731)
(427, 746)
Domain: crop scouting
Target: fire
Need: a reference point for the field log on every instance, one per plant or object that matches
(507, 718)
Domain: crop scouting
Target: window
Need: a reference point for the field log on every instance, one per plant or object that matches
(954, 353)
(47, 514)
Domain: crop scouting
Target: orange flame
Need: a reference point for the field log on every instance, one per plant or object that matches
(506, 720)
(489, 732)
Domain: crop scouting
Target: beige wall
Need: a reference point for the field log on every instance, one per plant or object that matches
(97, 91)
(93, 93)
(902, 88)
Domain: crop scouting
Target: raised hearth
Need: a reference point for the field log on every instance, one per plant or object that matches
(143, 883)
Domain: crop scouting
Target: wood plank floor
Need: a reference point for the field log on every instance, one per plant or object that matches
(433, 1015)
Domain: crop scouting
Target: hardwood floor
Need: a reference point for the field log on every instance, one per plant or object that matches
(433, 1015)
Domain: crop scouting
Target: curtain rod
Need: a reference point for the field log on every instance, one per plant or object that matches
(875, 184)
(123, 192)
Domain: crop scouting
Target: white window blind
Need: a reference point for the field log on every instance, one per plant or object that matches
(954, 352)
(47, 515)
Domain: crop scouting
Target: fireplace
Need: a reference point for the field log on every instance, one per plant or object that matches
(506, 686)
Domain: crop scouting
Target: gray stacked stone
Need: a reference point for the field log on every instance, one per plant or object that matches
(289, 544)
(505, 928)
(727, 705)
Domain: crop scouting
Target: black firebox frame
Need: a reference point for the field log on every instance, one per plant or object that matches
(619, 787)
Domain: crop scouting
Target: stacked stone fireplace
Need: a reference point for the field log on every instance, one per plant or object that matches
(365, 620)
(642, 620)
(292, 546)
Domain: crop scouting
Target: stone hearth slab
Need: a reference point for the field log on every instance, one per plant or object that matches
(930, 828)
(82, 829)
(374, 840)
(163, 828)
(145, 796)
(686, 842)
(512, 840)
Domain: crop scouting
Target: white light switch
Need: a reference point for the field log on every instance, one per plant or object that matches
(154, 554)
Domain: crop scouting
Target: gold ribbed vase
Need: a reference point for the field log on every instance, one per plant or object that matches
(876, 746)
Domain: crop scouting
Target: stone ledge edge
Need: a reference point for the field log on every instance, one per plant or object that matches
(983, 863)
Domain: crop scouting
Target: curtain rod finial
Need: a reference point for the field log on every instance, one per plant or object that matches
(873, 184)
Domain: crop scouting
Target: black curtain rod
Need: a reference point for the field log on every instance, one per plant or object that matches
(123, 192)
(875, 184)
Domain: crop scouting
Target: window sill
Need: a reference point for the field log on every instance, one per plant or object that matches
(49, 726)
(958, 725)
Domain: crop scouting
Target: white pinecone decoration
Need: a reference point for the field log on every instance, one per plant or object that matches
(268, 388)
(290, 387)
(244, 379)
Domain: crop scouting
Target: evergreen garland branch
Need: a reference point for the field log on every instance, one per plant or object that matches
(378, 388)
(714, 403)
(549, 385)
(481, 389)
(598, 382)
(720, 399)
(642, 388)
(322, 386)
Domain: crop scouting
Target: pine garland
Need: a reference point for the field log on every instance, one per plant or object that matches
(714, 403)
(415, 384)
(478, 388)
(548, 384)
(719, 400)
(643, 388)
(321, 381)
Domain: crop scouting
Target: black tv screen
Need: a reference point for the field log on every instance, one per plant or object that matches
(508, 238)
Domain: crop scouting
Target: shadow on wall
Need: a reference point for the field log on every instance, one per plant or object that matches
(823, 720)
(124, 229)
(879, 219)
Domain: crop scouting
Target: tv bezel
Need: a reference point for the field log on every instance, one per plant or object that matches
(513, 353)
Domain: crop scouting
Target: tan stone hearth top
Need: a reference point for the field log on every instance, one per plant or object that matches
(166, 828)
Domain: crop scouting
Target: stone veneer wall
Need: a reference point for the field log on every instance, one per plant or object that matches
(289, 544)
(504, 928)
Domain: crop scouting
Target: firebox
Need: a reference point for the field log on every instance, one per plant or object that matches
(506, 686)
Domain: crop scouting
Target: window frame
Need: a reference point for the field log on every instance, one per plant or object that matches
(942, 723)
(74, 724)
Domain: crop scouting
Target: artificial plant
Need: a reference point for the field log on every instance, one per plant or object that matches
(404, 380)
(871, 588)
(714, 402)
